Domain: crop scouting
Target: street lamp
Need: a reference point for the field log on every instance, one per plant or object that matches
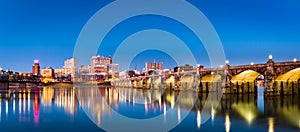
(227, 61)
(270, 57)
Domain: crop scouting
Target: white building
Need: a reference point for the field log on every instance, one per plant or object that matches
(71, 68)
(99, 63)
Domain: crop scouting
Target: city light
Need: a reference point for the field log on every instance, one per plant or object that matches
(227, 123)
(36, 61)
(227, 61)
(252, 63)
(198, 119)
(271, 125)
(270, 57)
(295, 60)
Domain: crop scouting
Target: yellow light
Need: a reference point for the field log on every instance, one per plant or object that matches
(227, 123)
(198, 119)
(271, 125)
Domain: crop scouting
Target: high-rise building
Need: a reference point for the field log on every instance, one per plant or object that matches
(72, 68)
(153, 66)
(99, 64)
(36, 68)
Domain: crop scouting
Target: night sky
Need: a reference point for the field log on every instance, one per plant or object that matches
(47, 30)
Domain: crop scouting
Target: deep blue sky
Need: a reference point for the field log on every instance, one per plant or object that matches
(47, 30)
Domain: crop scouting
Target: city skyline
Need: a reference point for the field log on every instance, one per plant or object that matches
(250, 31)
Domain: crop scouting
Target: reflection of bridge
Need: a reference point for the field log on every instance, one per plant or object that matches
(278, 78)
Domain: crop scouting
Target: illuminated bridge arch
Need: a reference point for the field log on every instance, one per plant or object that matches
(211, 82)
(187, 81)
(288, 82)
(245, 81)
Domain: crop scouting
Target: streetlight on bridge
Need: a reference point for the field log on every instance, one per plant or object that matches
(227, 61)
(270, 57)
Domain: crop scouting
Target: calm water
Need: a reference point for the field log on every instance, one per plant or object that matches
(86, 109)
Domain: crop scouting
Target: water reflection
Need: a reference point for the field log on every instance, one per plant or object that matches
(240, 109)
(234, 113)
(227, 123)
(25, 105)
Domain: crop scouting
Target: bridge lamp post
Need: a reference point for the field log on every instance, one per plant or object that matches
(227, 61)
(270, 57)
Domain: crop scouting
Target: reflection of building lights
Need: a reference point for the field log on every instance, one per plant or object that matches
(227, 123)
(36, 109)
(271, 125)
(179, 114)
(198, 119)
(0, 110)
(99, 117)
(14, 106)
(146, 107)
(250, 117)
(6, 107)
(20, 104)
(165, 111)
(28, 101)
(212, 113)
(24, 102)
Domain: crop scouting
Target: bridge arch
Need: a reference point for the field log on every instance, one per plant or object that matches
(289, 82)
(187, 81)
(210, 82)
(245, 81)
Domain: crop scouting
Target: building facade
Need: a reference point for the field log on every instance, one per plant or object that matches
(71, 68)
(186, 67)
(113, 71)
(99, 64)
(36, 68)
(47, 74)
(154, 66)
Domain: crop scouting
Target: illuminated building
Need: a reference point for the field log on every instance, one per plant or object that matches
(153, 66)
(36, 68)
(113, 70)
(186, 67)
(99, 62)
(71, 68)
(84, 73)
(62, 74)
(47, 74)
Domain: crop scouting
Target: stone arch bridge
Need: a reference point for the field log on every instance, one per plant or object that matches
(278, 78)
